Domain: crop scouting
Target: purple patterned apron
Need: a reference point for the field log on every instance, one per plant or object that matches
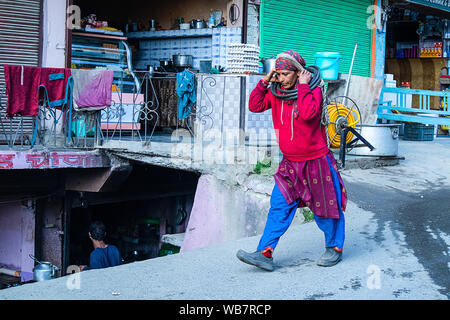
(311, 182)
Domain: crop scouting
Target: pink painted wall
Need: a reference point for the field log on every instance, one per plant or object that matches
(223, 212)
(206, 224)
(17, 226)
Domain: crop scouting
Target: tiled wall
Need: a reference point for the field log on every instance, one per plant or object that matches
(202, 44)
(259, 123)
(218, 103)
(219, 106)
(222, 38)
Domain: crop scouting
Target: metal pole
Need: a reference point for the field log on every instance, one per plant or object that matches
(349, 75)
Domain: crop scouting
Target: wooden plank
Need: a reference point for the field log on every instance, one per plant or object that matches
(421, 73)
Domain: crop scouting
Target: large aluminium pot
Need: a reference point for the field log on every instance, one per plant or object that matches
(268, 64)
(182, 60)
(384, 137)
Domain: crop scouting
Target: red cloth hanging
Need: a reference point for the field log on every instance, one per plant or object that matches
(23, 85)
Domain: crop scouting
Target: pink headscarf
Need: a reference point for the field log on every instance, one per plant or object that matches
(285, 64)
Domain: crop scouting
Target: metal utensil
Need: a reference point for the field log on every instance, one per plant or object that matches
(383, 137)
(44, 270)
(32, 257)
(166, 63)
(182, 60)
(151, 70)
(268, 63)
(197, 24)
(185, 26)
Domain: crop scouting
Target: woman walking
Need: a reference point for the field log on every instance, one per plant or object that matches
(308, 174)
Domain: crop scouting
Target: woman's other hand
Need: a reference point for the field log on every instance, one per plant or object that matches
(271, 76)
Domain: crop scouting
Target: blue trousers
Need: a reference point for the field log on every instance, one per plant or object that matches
(281, 214)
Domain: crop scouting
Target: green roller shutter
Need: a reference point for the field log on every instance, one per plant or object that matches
(310, 26)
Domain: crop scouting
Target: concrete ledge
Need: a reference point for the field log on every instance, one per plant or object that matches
(361, 162)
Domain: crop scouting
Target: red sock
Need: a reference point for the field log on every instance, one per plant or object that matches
(267, 252)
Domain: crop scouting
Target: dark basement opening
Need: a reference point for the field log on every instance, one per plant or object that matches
(152, 202)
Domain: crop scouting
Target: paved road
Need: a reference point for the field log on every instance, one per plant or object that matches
(413, 201)
(419, 219)
(397, 247)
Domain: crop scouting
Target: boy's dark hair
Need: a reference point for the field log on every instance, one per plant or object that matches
(97, 230)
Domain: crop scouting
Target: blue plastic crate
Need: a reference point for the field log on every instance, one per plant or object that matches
(418, 132)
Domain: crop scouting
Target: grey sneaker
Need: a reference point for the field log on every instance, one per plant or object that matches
(256, 259)
(329, 258)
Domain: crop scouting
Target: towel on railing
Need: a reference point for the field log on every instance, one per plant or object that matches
(186, 91)
(24, 84)
(92, 89)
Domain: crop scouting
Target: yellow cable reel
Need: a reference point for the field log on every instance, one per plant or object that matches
(340, 117)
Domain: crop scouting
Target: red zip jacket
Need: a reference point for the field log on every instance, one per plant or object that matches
(297, 123)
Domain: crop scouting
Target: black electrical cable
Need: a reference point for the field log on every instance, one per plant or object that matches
(292, 94)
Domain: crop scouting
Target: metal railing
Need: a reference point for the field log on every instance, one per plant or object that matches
(50, 127)
(15, 132)
(214, 133)
(414, 105)
(134, 115)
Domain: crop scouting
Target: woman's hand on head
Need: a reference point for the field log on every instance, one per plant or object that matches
(271, 76)
(304, 76)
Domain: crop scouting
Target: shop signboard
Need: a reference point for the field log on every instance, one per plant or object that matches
(53, 160)
(438, 4)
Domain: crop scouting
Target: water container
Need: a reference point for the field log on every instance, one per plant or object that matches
(328, 63)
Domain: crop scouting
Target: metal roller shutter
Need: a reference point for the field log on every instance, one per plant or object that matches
(310, 26)
(20, 44)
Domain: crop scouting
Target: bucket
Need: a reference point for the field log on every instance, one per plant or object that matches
(328, 63)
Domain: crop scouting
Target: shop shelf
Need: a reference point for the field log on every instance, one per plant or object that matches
(91, 50)
(205, 32)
